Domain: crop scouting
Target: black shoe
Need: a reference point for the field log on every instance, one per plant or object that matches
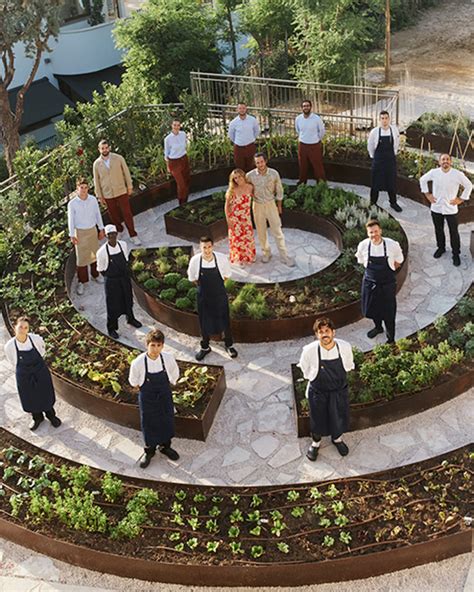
(202, 353)
(55, 421)
(312, 453)
(396, 207)
(231, 351)
(169, 452)
(390, 341)
(437, 254)
(135, 323)
(373, 332)
(146, 461)
(342, 448)
(36, 424)
(456, 260)
(113, 333)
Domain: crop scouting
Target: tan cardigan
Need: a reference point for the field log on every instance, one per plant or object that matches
(112, 182)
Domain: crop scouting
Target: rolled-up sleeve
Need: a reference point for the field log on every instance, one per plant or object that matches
(172, 368)
(347, 356)
(136, 375)
(193, 269)
(102, 259)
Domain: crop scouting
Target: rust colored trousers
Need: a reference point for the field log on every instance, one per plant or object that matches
(244, 157)
(119, 210)
(179, 168)
(311, 154)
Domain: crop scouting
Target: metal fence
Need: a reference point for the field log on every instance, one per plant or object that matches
(272, 93)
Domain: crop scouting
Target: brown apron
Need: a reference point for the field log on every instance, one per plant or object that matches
(87, 247)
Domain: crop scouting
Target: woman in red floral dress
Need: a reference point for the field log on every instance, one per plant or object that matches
(239, 221)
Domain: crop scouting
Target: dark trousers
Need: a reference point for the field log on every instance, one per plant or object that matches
(244, 157)
(228, 339)
(112, 322)
(374, 195)
(317, 437)
(389, 326)
(150, 450)
(83, 275)
(179, 168)
(310, 154)
(51, 414)
(452, 220)
(119, 210)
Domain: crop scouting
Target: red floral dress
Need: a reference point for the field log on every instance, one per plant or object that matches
(241, 239)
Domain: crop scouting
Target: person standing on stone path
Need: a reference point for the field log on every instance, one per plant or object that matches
(177, 161)
(25, 352)
(268, 188)
(446, 182)
(112, 262)
(113, 186)
(85, 230)
(311, 131)
(153, 371)
(381, 257)
(243, 131)
(383, 145)
(325, 364)
(209, 270)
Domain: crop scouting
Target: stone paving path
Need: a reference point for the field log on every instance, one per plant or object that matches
(253, 439)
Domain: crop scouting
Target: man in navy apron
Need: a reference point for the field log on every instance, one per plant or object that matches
(381, 258)
(153, 371)
(383, 144)
(112, 262)
(209, 270)
(25, 351)
(325, 364)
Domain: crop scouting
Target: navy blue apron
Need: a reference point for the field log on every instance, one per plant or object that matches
(118, 288)
(212, 301)
(33, 380)
(384, 165)
(155, 401)
(379, 287)
(329, 398)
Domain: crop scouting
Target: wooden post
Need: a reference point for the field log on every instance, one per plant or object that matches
(387, 41)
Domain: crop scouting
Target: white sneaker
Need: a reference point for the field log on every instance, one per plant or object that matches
(135, 240)
(287, 260)
(80, 289)
(266, 258)
(99, 279)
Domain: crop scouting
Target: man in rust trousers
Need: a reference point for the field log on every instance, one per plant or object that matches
(310, 130)
(177, 161)
(113, 186)
(243, 131)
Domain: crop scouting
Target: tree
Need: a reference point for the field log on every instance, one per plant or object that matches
(387, 41)
(224, 11)
(31, 23)
(165, 41)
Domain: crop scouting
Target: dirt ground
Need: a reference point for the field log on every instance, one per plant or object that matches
(433, 61)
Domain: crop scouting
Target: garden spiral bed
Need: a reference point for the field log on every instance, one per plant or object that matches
(225, 536)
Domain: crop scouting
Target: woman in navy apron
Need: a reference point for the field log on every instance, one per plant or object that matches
(384, 166)
(212, 303)
(33, 378)
(118, 288)
(155, 398)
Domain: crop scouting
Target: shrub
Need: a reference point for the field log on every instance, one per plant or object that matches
(457, 339)
(290, 203)
(152, 284)
(466, 307)
(143, 276)
(177, 252)
(171, 279)
(138, 266)
(184, 285)
(182, 261)
(163, 266)
(441, 325)
(168, 294)
(231, 286)
(183, 303)
(192, 294)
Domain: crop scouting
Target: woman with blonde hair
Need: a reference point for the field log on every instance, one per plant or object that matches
(237, 212)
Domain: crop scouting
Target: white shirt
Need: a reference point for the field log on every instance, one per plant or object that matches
(83, 214)
(373, 140)
(136, 376)
(394, 252)
(243, 132)
(309, 361)
(10, 350)
(446, 188)
(106, 161)
(103, 258)
(175, 145)
(310, 129)
(222, 263)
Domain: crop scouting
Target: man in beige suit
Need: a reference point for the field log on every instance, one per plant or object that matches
(113, 186)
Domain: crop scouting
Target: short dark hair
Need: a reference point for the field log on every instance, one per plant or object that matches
(176, 119)
(323, 322)
(103, 141)
(206, 239)
(261, 155)
(372, 222)
(306, 101)
(241, 103)
(22, 319)
(81, 181)
(155, 336)
(384, 113)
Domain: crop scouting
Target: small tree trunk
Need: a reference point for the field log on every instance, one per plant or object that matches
(387, 41)
(10, 130)
(232, 38)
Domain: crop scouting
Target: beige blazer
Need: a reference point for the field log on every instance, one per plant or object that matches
(113, 181)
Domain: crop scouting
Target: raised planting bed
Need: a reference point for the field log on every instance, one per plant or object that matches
(271, 312)
(415, 374)
(89, 369)
(222, 536)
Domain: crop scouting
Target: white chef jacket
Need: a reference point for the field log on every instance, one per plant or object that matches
(10, 349)
(394, 252)
(309, 360)
(103, 258)
(222, 263)
(136, 376)
(373, 140)
(446, 188)
(243, 132)
(175, 145)
(310, 129)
